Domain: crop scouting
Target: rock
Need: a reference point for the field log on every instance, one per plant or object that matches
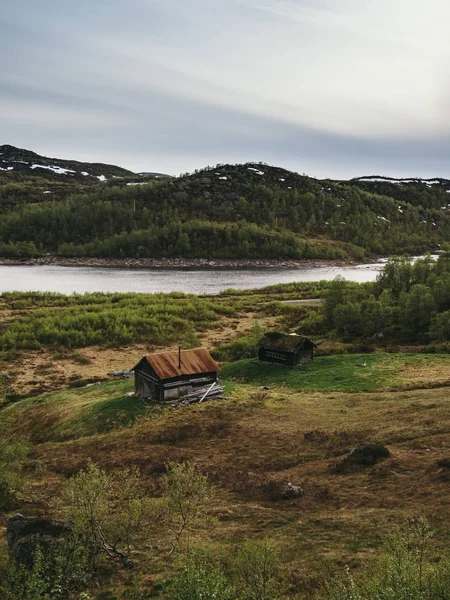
(365, 454)
(368, 453)
(24, 534)
(291, 491)
(443, 463)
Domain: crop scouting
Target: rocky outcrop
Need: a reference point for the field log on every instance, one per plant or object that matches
(25, 534)
(291, 491)
(365, 454)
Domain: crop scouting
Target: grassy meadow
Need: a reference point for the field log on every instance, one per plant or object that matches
(59, 397)
(256, 439)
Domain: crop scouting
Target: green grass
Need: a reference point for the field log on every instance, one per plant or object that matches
(336, 373)
(105, 415)
(69, 414)
(96, 409)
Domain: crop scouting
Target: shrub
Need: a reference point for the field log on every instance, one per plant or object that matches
(12, 452)
(200, 578)
(405, 569)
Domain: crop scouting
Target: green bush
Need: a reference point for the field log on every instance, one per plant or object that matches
(407, 568)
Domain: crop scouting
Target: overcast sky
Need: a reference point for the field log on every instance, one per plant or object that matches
(325, 87)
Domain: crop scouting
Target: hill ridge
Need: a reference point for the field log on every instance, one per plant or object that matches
(250, 210)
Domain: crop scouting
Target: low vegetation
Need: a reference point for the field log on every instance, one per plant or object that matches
(344, 372)
(92, 319)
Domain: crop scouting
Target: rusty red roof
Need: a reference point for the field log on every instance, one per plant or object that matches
(193, 362)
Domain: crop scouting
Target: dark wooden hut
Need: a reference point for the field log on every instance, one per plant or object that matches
(172, 375)
(285, 349)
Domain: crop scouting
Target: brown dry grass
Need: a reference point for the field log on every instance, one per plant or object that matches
(249, 445)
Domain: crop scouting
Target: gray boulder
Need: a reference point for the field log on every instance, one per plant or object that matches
(25, 534)
(291, 491)
(365, 454)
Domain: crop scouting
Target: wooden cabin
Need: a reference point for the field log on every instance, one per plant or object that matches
(172, 375)
(285, 349)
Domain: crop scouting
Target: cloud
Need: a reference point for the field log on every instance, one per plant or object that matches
(323, 87)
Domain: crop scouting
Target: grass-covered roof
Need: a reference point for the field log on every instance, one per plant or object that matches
(282, 341)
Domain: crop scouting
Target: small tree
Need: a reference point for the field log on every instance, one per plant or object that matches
(187, 493)
(255, 570)
(200, 578)
(418, 308)
(336, 295)
(405, 569)
(107, 509)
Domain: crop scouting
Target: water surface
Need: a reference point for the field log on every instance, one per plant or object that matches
(67, 280)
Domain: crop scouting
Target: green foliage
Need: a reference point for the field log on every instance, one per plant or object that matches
(408, 303)
(406, 568)
(440, 327)
(251, 573)
(107, 509)
(187, 493)
(223, 212)
(116, 319)
(245, 346)
(200, 578)
(57, 572)
(12, 452)
(255, 571)
(418, 307)
(347, 317)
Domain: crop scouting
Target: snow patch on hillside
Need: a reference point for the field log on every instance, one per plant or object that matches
(55, 168)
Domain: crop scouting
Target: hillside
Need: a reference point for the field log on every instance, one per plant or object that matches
(249, 445)
(29, 178)
(228, 211)
(18, 161)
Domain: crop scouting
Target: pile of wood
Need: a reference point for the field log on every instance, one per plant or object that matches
(212, 392)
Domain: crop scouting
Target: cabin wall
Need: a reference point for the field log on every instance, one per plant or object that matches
(147, 385)
(276, 356)
(290, 359)
(172, 390)
(142, 387)
(304, 356)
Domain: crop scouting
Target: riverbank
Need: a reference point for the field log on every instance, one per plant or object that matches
(176, 263)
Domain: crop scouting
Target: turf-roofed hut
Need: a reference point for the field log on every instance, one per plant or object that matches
(285, 349)
(172, 375)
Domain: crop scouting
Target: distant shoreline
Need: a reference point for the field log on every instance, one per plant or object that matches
(178, 263)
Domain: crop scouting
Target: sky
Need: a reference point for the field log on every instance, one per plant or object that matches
(326, 88)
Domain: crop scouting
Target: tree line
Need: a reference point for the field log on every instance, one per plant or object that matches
(409, 302)
(226, 212)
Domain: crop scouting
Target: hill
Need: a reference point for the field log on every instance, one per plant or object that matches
(29, 178)
(250, 445)
(25, 162)
(228, 211)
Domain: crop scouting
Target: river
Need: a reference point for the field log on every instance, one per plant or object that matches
(67, 280)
